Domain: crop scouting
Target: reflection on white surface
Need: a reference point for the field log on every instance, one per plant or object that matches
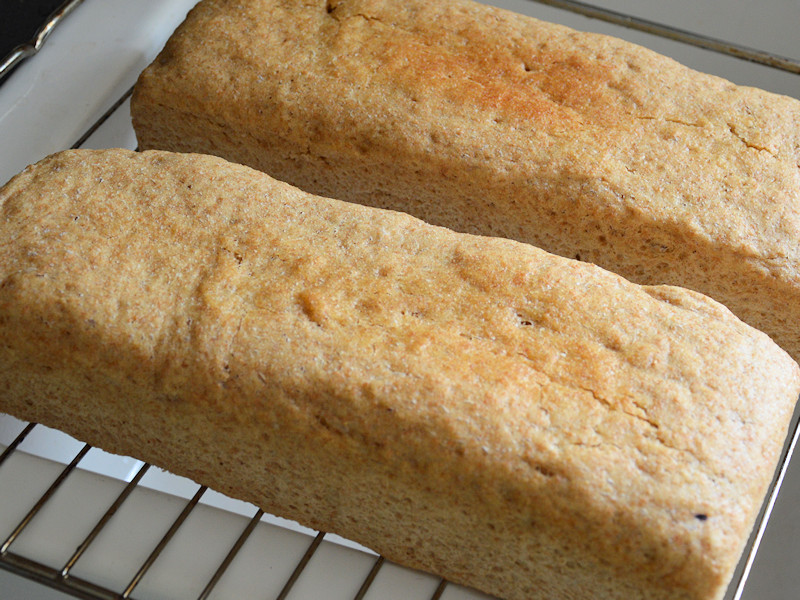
(18, 588)
(88, 62)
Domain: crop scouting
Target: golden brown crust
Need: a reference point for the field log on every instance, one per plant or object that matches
(518, 422)
(488, 122)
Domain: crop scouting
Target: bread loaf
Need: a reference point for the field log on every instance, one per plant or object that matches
(488, 122)
(529, 425)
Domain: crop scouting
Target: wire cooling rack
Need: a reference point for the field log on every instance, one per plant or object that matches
(101, 527)
(63, 501)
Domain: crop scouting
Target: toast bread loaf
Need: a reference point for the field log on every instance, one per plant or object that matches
(488, 122)
(529, 425)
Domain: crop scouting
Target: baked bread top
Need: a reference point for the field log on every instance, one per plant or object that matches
(512, 81)
(489, 122)
(638, 427)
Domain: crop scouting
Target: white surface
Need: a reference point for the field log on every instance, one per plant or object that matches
(86, 65)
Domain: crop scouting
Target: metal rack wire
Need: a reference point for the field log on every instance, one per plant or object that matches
(33, 46)
(768, 59)
(63, 577)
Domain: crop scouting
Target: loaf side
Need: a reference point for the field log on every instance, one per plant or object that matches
(528, 425)
(489, 122)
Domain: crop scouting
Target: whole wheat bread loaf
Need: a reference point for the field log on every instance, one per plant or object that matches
(489, 122)
(529, 425)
